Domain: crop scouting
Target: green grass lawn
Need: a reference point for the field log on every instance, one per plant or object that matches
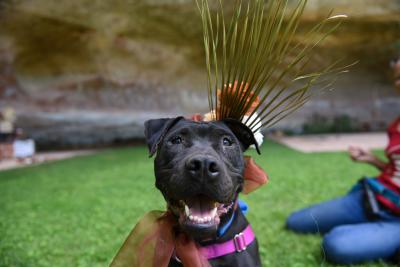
(77, 212)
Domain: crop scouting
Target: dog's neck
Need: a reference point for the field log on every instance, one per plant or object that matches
(236, 226)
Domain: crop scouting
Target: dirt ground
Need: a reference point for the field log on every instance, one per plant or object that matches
(334, 142)
(41, 158)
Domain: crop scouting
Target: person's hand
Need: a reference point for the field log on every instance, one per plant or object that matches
(361, 155)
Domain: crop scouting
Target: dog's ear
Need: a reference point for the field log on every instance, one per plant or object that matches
(243, 133)
(155, 130)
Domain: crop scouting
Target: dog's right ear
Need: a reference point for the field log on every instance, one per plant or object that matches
(242, 132)
(155, 130)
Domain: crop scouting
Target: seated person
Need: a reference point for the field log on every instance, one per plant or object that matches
(363, 225)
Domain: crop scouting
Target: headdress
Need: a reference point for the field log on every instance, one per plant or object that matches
(256, 68)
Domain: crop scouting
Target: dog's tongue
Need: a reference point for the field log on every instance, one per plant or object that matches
(200, 206)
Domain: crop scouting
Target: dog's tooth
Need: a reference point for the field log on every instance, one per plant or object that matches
(187, 211)
(191, 217)
(208, 219)
(201, 220)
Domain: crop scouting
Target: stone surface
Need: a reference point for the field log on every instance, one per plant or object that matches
(90, 72)
(84, 128)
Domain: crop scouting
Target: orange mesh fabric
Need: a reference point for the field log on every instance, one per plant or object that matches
(254, 176)
(139, 248)
(153, 241)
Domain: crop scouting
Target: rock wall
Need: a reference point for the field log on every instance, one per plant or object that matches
(90, 72)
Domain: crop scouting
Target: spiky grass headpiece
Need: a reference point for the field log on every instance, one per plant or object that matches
(253, 64)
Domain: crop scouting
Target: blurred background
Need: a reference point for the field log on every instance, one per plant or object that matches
(89, 73)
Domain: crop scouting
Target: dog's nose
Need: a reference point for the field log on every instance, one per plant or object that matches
(200, 167)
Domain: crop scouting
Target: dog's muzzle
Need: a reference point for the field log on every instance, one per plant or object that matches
(200, 212)
(200, 216)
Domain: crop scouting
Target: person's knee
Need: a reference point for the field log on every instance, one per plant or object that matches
(337, 249)
(293, 222)
(299, 222)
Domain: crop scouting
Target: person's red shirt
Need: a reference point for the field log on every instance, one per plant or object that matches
(390, 176)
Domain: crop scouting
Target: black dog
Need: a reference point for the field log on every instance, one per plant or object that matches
(199, 170)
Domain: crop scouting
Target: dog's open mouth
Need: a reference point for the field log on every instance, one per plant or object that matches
(201, 215)
(201, 210)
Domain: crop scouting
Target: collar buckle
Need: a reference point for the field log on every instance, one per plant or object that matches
(240, 242)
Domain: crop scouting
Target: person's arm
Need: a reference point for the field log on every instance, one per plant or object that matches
(361, 155)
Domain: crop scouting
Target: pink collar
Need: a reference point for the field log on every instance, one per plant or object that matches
(238, 244)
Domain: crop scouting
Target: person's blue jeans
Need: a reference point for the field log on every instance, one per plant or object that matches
(350, 237)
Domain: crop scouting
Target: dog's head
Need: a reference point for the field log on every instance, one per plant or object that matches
(199, 169)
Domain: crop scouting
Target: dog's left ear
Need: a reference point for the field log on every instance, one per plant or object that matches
(243, 133)
(155, 130)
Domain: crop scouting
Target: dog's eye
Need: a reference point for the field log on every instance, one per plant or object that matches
(226, 141)
(176, 140)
